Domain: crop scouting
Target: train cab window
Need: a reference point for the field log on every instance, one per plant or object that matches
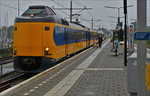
(35, 12)
(63, 22)
(50, 11)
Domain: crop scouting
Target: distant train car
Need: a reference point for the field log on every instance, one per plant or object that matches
(41, 38)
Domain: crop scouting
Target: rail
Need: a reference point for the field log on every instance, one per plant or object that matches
(6, 60)
(7, 84)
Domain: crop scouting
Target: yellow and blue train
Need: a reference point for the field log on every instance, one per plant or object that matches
(41, 38)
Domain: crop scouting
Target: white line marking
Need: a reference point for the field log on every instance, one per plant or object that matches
(40, 84)
(25, 94)
(58, 72)
(103, 69)
(63, 86)
(50, 77)
(32, 90)
(47, 79)
(36, 87)
(44, 82)
(55, 75)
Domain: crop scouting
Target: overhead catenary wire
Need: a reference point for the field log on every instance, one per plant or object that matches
(87, 11)
(11, 7)
(65, 7)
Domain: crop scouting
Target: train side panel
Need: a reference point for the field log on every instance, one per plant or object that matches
(58, 35)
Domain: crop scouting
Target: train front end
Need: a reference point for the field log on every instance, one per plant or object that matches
(33, 44)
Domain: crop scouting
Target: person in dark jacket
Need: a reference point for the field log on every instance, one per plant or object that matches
(100, 40)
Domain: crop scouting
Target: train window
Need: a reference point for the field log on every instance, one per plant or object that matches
(82, 36)
(72, 35)
(35, 12)
(58, 28)
(46, 28)
(66, 36)
(63, 22)
(77, 35)
(49, 11)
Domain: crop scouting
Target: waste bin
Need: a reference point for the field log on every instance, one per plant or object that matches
(120, 48)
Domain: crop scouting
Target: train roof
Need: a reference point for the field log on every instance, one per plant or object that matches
(37, 6)
(54, 18)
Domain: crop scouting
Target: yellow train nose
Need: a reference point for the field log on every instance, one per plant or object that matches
(28, 39)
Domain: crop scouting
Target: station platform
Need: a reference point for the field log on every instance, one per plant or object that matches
(93, 72)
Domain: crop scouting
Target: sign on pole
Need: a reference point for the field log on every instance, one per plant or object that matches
(131, 39)
(142, 36)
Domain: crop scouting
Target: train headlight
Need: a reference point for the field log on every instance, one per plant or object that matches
(46, 49)
(32, 15)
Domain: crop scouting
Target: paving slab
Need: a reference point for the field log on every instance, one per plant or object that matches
(105, 76)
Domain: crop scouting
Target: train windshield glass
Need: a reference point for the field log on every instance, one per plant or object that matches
(35, 12)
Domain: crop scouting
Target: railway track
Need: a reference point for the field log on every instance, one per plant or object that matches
(6, 60)
(14, 81)
(7, 83)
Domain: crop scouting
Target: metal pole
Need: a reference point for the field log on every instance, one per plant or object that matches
(125, 28)
(141, 48)
(118, 17)
(1, 70)
(0, 13)
(71, 11)
(92, 23)
(18, 7)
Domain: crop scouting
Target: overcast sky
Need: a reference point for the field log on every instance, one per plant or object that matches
(98, 12)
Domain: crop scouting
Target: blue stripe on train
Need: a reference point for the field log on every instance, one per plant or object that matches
(73, 35)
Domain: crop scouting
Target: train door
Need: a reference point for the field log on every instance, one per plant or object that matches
(90, 38)
(87, 38)
(66, 40)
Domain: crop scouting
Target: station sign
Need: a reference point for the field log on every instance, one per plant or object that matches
(142, 36)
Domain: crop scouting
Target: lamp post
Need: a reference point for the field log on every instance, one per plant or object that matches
(118, 8)
(120, 31)
(125, 12)
(118, 24)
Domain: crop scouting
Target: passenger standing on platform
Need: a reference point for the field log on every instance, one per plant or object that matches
(100, 40)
